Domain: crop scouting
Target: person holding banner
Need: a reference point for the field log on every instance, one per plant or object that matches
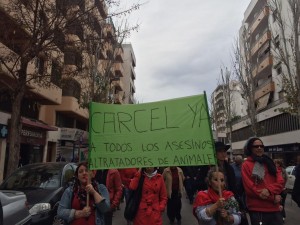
(154, 197)
(85, 202)
(216, 205)
(263, 184)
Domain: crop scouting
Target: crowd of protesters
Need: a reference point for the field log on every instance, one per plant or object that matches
(246, 191)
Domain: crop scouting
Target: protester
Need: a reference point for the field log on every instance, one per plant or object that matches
(211, 208)
(126, 176)
(263, 184)
(283, 194)
(296, 189)
(189, 182)
(154, 197)
(74, 207)
(237, 168)
(112, 180)
(174, 178)
(229, 175)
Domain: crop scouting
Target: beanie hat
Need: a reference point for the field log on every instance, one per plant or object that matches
(248, 145)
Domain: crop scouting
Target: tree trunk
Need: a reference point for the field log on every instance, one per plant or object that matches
(15, 122)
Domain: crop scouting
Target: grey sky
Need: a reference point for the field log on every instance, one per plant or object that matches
(181, 45)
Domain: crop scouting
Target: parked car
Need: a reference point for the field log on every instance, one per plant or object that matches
(43, 184)
(13, 208)
(291, 177)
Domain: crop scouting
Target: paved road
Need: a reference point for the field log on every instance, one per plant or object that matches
(292, 212)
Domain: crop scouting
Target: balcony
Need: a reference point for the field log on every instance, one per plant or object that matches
(119, 70)
(109, 31)
(102, 7)
(70, 107)
(133, 74)
(119, 54)
(47, 95)
(264, 89)
(133, 90)
(263, 16)
(118, 84)
(261, 41)
(73, 41)
(119, 97)
(264, 67)
(12, 34)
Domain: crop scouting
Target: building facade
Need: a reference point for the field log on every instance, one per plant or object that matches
(260, 35)
(219, 103)
(54, 117)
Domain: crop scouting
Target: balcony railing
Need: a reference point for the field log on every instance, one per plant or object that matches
(260, 42)
(119, 70)
(261, 16)
(264, 89)
(265, 63)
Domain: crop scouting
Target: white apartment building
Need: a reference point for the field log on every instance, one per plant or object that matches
(218, 101)
(279, 131)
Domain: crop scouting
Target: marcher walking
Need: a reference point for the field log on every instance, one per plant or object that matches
(174, 178)
(74, 208)
(112, 180)
(210, 208)
(263, 184)
(283, 194)
(296, 189)
(154, 197)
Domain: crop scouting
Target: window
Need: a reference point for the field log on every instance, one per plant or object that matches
(277, 41)
(279, 70)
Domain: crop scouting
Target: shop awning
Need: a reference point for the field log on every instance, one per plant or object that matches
(37, 124)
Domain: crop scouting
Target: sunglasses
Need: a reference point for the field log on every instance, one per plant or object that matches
(258, 146)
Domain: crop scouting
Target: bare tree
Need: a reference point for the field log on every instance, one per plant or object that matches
(285, 49)
(36, 32)
(243, 68)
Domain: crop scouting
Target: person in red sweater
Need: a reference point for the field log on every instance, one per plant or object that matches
(263, 184)
(126, 176)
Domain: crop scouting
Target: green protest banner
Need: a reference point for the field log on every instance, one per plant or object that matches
(172, 132)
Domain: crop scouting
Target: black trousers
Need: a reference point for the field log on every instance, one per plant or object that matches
(266, 218)
(174, 207)
(108, 217)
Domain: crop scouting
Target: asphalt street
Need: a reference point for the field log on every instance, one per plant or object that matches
(292, 212)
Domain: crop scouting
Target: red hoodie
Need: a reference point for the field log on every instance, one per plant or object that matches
(275, 186)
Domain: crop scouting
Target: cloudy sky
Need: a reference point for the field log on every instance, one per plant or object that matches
(181, 45)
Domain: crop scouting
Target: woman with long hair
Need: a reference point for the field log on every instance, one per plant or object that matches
(263, 184)
(74, 207)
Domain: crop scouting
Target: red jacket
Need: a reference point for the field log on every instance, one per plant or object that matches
(275, 186)
(153, 202)
(114, 187)
(126, 175)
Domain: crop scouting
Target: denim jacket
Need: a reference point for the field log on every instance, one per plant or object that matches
(66, 213)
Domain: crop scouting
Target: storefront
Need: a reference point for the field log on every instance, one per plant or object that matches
(73, 144)
(33, 142)
(287, 152)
